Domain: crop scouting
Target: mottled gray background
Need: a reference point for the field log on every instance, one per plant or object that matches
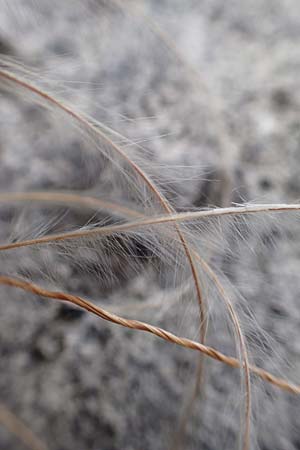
(209, 85)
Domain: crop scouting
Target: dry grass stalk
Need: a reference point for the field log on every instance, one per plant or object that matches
(143, 326)
(17, 427)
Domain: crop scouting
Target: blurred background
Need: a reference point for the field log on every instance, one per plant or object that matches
(206, 95)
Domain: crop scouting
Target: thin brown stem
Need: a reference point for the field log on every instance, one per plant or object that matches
(171, 218)
(17, 427)
(67, 198)
(146, 327)
(241, 340)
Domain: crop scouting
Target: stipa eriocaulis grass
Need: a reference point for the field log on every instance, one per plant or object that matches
(114, 154)
(144, 219)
